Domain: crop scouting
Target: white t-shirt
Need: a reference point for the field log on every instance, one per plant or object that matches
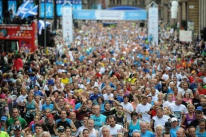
(168, 103)
(93, 133)
(160, 121)
(129, 108)
(165, 77)
(107, 96)
(144, 109)
(115, 130)
(182, 91)
(178, 110)
(21, 98)
(79, 130)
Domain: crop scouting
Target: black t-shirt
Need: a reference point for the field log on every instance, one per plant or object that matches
(77, 124)
(49, 128)
(111, 112)
(196, 102)
(204, 111)
(65, 123)
(194, 123)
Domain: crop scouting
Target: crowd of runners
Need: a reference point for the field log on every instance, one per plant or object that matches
(110, 82)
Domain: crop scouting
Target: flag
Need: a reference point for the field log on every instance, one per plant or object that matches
(32, 12)
(41, 25)
(27, 9)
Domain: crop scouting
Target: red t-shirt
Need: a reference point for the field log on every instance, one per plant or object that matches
(202, 91)
(18, 64)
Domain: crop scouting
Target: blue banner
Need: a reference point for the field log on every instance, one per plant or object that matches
(59, 4)
(49, 10)
(76, 4)
(29, 0)
(84, 14)
(12, 5)
(59, 9)
(110, 14)
(135, 15)
(1, 8)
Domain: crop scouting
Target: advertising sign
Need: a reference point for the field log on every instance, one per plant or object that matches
(153, 24)
(24, 34)
(67, 24)
(49, 9)
(185, 36)
(1, 8)
(12, 5)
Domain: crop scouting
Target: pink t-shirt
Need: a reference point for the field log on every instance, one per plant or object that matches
(71, 102)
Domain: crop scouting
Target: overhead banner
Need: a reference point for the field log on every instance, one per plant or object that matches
(76, 5)
(174, 9)
(185, 36)
(49, 9)
(59, 4)
(12, 5)
(110, 14)
(153, 25)
(67, 24)
(29, 0)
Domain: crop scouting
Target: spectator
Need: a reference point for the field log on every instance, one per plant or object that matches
(174, 127)
(18, 63)
(65, 122)
(160, 119)
(127, 107)
(15, 117)
(143, 109)
(92, 130)
(191, 132)
(134, 124)
(144, 131)
(99, 119)
(201, 131)
(113, 127)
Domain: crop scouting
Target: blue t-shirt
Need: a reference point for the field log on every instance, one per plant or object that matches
(173, 131)
(38, 93)
(45, 106)
(198, 134)
(94, 96)
(147, 134)
(98, 121)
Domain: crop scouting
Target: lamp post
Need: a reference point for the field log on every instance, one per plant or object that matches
(45, 23)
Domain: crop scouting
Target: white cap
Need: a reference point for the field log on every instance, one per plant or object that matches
(204, 80)
(174, 119)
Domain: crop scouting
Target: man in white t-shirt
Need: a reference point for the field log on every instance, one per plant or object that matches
(108, 93)
(165, 76)
(127, 107)
(114, 128)
(178, 108)
(159, 119)
(184, 88)
(143, 109)
(169, 101)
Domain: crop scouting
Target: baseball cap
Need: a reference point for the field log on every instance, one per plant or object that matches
(50, 116)
(3, 118)
(199, 108)
(174, 119)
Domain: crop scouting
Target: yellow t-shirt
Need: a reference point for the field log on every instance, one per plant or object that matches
(65, 80)
(4, 134)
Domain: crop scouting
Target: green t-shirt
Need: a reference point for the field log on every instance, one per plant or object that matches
(12, 121)
(4, 134)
